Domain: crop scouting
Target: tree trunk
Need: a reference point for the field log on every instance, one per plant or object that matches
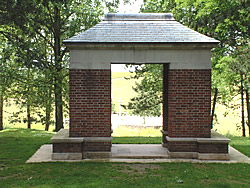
(1, 111)
(48, 111)
(47, 118)
(242, 106)
(58, 106)
(248, 111)
(28, 101)
(28, 116)
(58, 76)
(213, 109)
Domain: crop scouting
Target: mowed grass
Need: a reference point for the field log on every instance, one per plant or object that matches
(136, 140)
(17, 145)
(242, 144)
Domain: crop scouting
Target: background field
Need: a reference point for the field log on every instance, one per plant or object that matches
(122, 90)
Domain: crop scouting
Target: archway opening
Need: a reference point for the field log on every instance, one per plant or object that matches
(139, 103)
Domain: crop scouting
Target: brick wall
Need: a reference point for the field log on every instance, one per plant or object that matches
(213, 148)
(97, 146)
(182, 146)
(189, 101)
(90, 102)
(197, 147)
(67, 147)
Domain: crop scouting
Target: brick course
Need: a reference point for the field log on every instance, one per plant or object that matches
(189, 103)
(213, 148)
(97, 146)
(182, 146)
(67, 147)
(90, 102)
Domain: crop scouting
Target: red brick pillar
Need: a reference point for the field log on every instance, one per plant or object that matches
(189, 100)
(189, 103)
(90, 107)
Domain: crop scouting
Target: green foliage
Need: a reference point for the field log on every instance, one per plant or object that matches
(37, 45)
(7, 69)
(148, 101)
(6, 66)
(158, 6)
(226, 21)
(229, 69)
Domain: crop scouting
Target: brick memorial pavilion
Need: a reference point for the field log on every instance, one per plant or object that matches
(141, 39)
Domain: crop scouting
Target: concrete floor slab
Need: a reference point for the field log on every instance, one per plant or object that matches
(136, 153)
(139, 151)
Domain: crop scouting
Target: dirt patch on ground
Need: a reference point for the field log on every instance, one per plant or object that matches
(136, 168)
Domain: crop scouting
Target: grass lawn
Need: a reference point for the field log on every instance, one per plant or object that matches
(137, 140)
(17, 145)
(242, 144)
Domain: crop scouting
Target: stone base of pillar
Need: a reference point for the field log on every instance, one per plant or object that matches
(77, 148)
(214, 148)
(66, 156)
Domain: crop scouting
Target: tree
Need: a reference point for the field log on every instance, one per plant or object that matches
(149, 92)
(6, 71)
(62, 20)
(240, 65)
(26, 49)
(226, 21)
(56, 21)
(158, 6)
